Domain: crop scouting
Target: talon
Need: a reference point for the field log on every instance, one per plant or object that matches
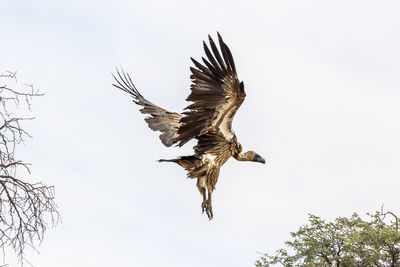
(210, 213)
(203, 207)
(207, 207)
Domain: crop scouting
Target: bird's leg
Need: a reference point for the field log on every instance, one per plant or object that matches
(209, 207)
(204, 203)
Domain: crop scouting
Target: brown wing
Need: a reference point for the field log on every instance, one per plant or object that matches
(216, 94)
(159, 119)
(214, 144)
(215, 147)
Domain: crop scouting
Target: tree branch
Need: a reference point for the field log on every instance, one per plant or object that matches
(27, 209)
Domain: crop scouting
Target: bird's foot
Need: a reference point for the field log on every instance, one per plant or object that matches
(207, 207)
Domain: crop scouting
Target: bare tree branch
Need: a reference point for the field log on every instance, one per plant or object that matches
(27, 209)
(383, 214)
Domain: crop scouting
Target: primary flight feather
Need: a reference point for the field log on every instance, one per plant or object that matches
(216, 95)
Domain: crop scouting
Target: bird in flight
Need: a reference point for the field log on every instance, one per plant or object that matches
(216, 95)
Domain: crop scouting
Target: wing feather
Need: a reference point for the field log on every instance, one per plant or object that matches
(216, 94)
(160, 119)
(216, 53)
(201, 67)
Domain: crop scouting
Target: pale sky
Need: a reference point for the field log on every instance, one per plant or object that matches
(323, 89)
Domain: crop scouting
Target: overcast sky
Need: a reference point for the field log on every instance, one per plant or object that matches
(323, 90)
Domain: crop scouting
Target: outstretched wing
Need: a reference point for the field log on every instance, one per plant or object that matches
(159, 119)
(216, 94)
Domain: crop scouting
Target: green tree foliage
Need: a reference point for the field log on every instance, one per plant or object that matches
(345, 242)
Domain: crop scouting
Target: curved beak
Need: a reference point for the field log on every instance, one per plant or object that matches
(258, 158)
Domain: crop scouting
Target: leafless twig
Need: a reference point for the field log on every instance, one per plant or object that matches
(383, 214)
(27, 209)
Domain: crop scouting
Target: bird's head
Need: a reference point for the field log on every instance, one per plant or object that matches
(250, 156)
(255, 157)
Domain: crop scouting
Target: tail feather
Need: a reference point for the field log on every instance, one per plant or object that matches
(168, 160)
(187, 162)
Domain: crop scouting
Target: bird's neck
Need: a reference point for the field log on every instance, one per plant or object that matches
(244, 156)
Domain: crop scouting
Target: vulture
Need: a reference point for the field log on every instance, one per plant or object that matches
(216, 94)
